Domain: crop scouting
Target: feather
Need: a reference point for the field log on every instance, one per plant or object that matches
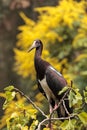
(50, 81)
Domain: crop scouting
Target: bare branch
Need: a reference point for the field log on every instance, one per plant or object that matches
(54, 119)
(33, 104)
(50, 119)
(60, 102)
(71, 83)
(65, 108)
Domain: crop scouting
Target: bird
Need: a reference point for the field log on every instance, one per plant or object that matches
(50, 82)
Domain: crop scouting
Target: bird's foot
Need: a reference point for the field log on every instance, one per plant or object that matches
(51, 110)
(55, 107)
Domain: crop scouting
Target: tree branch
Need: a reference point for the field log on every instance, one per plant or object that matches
(65, 108)
(60, 102)
(50, 119)
(71, 83)
(33, 104)
(54, 119)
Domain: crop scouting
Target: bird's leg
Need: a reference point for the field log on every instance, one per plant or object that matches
(56, 105)
(51, 108)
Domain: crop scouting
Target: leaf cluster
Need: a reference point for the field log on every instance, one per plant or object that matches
(19, 115)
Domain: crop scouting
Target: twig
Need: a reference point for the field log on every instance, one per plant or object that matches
(54, 119)
(83, 105)
(71, 83)
(34, 105)
(65, 108)
(58, 107)
(46, 117)
(60, 102)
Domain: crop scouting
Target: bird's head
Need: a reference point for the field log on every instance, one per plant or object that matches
(36, 44)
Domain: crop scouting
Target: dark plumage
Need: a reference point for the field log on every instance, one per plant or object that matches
(49, 80)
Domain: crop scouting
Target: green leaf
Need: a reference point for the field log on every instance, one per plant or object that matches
(86, 88)
(75, 98)
(9, 88)
(85, 96)
(5, 105)
(9, 97)
(83, 117)
(68, 125)
(64, 124)
(63, 90)
(71, 98)
(78, 98)
(33, 125)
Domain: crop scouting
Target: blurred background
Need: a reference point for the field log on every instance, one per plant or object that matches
(9, 22)
(65, 47)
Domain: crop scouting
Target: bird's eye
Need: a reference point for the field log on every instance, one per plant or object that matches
(38, 44)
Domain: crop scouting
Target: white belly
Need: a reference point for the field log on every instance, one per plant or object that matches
(47, 90)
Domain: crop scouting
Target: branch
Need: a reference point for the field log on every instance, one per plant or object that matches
(60, 102)
(71, 83)
(54, 119)
(33, 104)
(65, 108)
(46, 117)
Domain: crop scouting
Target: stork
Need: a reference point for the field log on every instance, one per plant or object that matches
(50, 81)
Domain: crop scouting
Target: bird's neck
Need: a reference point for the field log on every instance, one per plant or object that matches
(37, 58)
(40, 64)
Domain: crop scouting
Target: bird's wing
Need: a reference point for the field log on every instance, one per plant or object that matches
(55, 80)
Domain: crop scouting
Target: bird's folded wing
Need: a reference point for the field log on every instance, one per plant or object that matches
(55, 80)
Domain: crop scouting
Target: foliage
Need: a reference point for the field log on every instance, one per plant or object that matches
(20, 115)
(63, 31)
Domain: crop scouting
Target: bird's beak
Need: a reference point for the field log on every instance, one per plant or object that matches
(32, 47)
